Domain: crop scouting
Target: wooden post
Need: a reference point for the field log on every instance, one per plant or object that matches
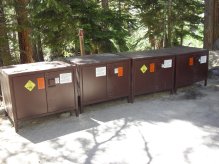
(81, 38)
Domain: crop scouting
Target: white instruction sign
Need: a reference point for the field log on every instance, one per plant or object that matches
(65, 78)
(203, 59)
(57, 80)
(100, 71)
(116, 70)
(167, 63)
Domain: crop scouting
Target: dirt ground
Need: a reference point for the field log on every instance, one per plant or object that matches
(156, 129)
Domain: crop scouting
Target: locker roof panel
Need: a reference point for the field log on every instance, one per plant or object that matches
(163, 52)
(180, 50)
(146, 54)
(97, 58)
(33, 67)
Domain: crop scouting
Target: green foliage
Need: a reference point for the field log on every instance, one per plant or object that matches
(58, 23)
(125, 25)
(178, 18)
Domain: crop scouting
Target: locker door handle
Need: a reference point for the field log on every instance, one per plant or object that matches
(51, 85)
(51, 82)
(110, 70)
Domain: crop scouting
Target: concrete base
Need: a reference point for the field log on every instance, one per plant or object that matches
(156, 129)
(213, 59)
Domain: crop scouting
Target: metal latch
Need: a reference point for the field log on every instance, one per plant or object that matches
(51, 82)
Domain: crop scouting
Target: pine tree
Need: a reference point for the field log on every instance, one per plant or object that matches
(5, 56)
(26, 52)
(168, 22)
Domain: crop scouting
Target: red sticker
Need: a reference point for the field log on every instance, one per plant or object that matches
(152, 67)
(41, 83)
(191, 61)
(120, 71)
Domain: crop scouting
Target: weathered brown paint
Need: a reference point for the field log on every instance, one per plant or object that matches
(186, 74)
(44, 98)
(94, 89)
(152, 80)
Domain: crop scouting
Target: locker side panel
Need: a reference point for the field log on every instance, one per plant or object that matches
(7, 97)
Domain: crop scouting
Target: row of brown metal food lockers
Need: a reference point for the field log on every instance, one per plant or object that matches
(40, 89)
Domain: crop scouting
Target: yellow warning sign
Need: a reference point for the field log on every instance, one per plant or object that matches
(144, 68)
(30, 85)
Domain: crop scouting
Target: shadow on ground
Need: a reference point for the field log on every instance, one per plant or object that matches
(160, 107)
(196, 105)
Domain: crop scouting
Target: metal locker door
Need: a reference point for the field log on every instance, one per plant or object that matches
(144, 80)
(30, 95)
(118, 79)
(184, 70)
(164, 70)
(94, 83)
(60, 90)
(201, 67)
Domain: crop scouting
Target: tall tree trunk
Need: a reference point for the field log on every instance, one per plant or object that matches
(152, 39)
(40, 49)
(119, 7)
(26, 52)
(208, 24)
(169, 21)
(5, 56)
(35, 54)
(181, 35)
(14, 47)
(216, 20)
(165, 44)
(211, 25)
(105, 4)
(37, 50)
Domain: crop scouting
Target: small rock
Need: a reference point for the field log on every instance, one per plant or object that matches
(216, 45)
(193, 94)
(214, 72)
(64, 115)
(34, 122)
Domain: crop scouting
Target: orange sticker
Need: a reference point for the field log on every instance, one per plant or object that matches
(191, 61)
(152, 67)
(120, 71)
(41, 83)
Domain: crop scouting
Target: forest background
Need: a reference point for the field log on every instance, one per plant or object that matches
(38, 30)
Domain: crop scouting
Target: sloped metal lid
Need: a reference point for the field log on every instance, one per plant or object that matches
(97, 58)
(33, 67)
(146, 54)
(184, 50)
(162, 52)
